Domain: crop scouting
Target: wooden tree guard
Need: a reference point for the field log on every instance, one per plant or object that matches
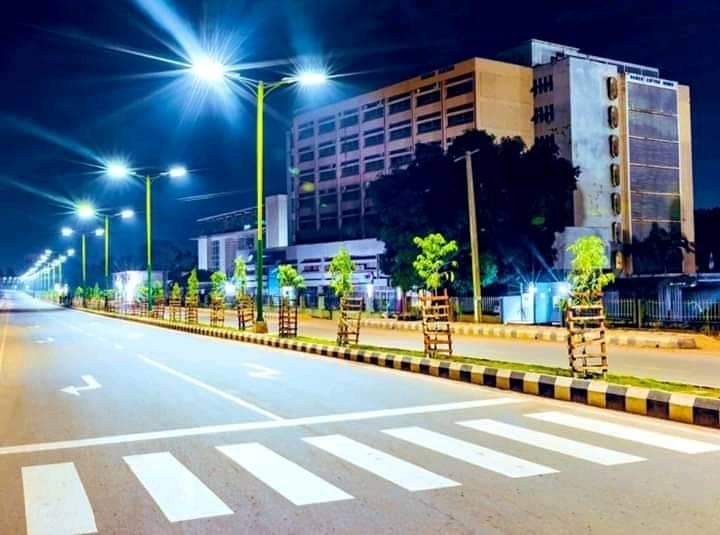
(217, 313)
(191, 310)
(349, 321)
(437, 336)
(158, 309)
(245, 312)
(288, 318)
(587, 346)
(174, 309)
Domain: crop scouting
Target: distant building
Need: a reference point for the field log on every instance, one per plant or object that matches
(627, 129)
(231, 235)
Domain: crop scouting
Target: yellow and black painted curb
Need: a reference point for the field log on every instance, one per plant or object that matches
(685, 408)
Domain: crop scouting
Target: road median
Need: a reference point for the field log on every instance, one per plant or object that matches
(671, 401)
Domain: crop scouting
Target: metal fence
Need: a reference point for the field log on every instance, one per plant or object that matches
(680, 314)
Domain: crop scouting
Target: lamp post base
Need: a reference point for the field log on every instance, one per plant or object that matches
(261, 327)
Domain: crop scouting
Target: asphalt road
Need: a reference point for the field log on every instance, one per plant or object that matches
(693, 366)
(114, 427)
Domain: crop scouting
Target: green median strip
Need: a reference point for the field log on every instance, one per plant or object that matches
(627, 380)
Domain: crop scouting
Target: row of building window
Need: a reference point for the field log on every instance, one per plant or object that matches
(397, 104)
(542, 85)
(544, 114)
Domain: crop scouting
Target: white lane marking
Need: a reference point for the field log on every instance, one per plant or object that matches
(261, 372)
(55, 500)
(253, 426)
(470, 453)
(90, 384)
(546, 441)
(210, 388)
(404, 474)
(296, 484)
(633, 434)
(48, 340)
(178, 492)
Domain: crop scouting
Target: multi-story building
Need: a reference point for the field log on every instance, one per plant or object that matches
(627, 129)
(338, 150)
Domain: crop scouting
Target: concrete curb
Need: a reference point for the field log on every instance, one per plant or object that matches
(684, 408)
(547, 334)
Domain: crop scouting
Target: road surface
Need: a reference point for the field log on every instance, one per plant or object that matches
(693, 366)
(165, 432)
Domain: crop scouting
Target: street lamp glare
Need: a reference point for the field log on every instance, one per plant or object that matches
(66, 231)
(127, 213)
(177, 171)
(311, 78)
(71, 252)
(117, 170)
(85, 210)
(99, 232)
(208, 69)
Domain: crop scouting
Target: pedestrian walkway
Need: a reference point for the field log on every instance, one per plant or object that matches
(57, 502)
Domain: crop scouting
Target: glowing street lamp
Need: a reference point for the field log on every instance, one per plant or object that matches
(85, 210)
(66, 232)
(120, 170)
(208, 69)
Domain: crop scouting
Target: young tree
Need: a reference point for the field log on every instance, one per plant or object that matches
(176, 292)
(79, 292)
(288, 277)
(193, 287)
(341, 269)
(240, 277)
(96, 292)
(435, 264)
(217, 290)
(158, 290)
(587, 277)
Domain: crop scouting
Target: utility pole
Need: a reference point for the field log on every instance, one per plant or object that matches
(474, 247)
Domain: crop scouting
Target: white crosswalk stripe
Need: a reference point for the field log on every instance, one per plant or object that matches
(625, 432)
(404, 474)
(298, 485)
(471, 453)
(55, 500)
(573, 448)
(179, 494)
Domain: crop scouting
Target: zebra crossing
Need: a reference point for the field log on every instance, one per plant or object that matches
(54, 494)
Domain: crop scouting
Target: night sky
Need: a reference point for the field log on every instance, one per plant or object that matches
(66, 97)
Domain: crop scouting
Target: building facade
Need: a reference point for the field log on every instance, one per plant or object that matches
(626, 129)
(335, 152)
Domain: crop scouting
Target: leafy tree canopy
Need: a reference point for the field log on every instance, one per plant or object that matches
(288, 277)
(341, 269)
(587, 276)
(523, 198)
(193, 286)
(434, 264)
(240, 276)
(218, 280)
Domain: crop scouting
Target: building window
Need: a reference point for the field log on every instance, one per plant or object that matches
(427, 98)
(614, 175)
(400, 133)
(400, 160)
(459, 89)
(214, 255)
(350, 169)
(375, 113)
(328, 173)
(349, 144)
(400, 106)
(375, 165)
(429, 126)
(324, 152)
(307, 156)
(614, 146)
(375, 139)
(613, 119)
(326, 128)
(461, 115)
(615, 203)
(306, 133)
(350, 120)
(351, 194)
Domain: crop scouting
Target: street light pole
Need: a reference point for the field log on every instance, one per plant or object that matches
(148, 238)
(107, 252)
(84, 263)
(474, 247)
(260, 325)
